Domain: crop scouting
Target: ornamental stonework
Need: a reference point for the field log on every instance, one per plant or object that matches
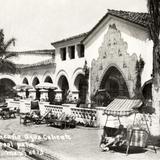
(113, 52)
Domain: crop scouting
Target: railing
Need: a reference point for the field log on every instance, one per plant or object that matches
(55, 109)
(84, 115)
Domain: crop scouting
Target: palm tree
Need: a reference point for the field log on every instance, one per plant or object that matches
(6, 66)
(154, 29)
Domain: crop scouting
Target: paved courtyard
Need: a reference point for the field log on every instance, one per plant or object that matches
(82, 143)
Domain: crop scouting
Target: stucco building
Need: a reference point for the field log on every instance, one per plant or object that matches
(109, 50)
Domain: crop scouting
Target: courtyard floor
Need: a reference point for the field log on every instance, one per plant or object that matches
(82, 144)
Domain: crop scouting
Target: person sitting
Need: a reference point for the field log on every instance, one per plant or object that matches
(117, 139)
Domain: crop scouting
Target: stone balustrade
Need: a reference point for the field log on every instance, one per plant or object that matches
(57, 109)
(84, 115)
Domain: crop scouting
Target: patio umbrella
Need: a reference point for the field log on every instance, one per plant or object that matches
(22, 87)
(45, 85)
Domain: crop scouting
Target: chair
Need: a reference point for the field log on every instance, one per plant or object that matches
(4, 113)
(62, 121)
(35, 105)
(34, 114)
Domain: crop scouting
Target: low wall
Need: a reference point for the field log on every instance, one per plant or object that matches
(13, 104)
(55, 108)
(82, 115)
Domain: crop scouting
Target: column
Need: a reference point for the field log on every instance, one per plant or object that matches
(44, 95)
(32, 93)
(22, 94)
(58, 96)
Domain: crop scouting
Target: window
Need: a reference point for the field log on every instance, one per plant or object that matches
(71, 50)
(80, 50)
(63, 53)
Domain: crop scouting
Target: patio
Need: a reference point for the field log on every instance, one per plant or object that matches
(83, 143)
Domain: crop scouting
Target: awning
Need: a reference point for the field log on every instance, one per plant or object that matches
(122, 107)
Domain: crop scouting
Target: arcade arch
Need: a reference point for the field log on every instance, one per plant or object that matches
(63, 86)
(25, 81)
(6, 87)
(81, 85)
(34, 83)
(48, 79)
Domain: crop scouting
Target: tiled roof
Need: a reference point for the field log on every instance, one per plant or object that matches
(135, 17)
(141, 19)
(138, 18)
(44, 51)
(42, 63)
(79, 36)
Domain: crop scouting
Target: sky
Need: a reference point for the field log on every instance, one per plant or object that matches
(37, 23)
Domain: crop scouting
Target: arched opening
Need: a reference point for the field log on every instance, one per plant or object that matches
(6, 89)
(147, 94)
(51, 92)
(114, 83)
(34, 83)
(48, 79)
(147, 90)
(25, 81)
(82, 87)
(64, 86)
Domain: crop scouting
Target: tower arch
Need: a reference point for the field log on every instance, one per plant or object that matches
(114, 83)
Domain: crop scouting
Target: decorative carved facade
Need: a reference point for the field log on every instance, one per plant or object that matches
(113, 53)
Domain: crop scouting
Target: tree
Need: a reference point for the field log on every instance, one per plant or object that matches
(154, 29)
(154, 32)
(6, 66)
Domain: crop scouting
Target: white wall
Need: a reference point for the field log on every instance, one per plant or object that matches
(136, 38)
(69, 67)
